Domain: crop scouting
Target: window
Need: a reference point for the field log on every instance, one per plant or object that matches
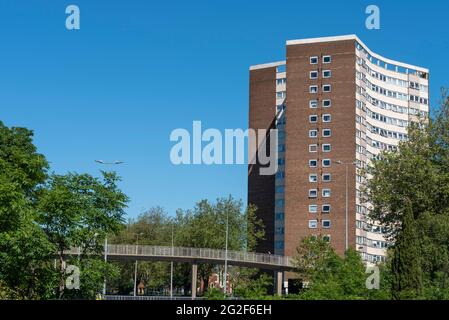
(313, 177)
(280, 175)
(313, 147)
(327, 238)
(313, 193)
(326, 103)
(281, 81)
(327, 118)
(313, 60)
(326, 208)
(326, 88)
(313, 224)
(279, 230)
(313, 89)
(326, 133)
(326, 224)
(327, 177)
(327, 73)
(313, 163)
(326, 193)
(313, 208)
(313, 104)
(313, 133)
(313, 74)
(327, 59)
(313, 118)
(326, 162)
(280, 94)
(279, 203)
(279, 245)
(327, 147)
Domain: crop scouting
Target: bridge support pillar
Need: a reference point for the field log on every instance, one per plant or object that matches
(279, 283)
(194, 279)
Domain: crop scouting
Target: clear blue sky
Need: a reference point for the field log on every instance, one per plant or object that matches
(139, 69)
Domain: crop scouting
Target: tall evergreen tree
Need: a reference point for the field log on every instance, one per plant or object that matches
(406, 264)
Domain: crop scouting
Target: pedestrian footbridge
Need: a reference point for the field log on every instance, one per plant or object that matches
(196, 256)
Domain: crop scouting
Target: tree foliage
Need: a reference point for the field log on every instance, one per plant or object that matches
(409, 190)
(326, 275)
(24, 249)
(42, 215)
(204, 226)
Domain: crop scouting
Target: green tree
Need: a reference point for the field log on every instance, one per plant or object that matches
(326, 275)
(202, 227)
(406, 265)
(24, 248)
(250, 283)
(409, 190)
(205, 227)
(80, 210)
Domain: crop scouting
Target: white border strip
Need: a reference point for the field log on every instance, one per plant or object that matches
(267, 65)
(354, 37)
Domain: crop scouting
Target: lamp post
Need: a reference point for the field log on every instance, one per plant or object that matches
(171, 263)
(105, 260)
(346, 164)
(106, 237)
(135, 265)
(109, 162)
(225, 278)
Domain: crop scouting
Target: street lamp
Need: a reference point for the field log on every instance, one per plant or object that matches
(225, 278)
(109, 162)
(105, 260)
(135, 266)
(106, 237)
(171, 263)
(346, 164)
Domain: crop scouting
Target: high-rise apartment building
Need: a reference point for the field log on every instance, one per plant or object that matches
(336, 105)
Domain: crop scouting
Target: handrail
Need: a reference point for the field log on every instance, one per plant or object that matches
(194, 254)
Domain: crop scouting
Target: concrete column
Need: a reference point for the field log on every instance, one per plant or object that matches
(279, 283)
(194, 278)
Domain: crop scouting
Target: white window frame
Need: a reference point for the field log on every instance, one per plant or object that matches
(325, 166)
(323, 193)
(313, 86)
(310, 118)
(315, 206)
(330, 74)
(326, 174)
(326, 211)
(313, 57)
(330, 103)
(327, 85)
(327, 56)
(313, 176)
(324, 227)
(326, 144)
(311, 133)
(313, 72)
(310, 163)
(313, 224)
(313, 191)
(327, 130)
(313, 104)
(311, 146)
(327, 115)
